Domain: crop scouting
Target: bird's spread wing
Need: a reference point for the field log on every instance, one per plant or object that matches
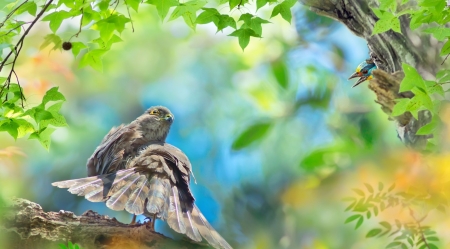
(115, 148)
(156, 182)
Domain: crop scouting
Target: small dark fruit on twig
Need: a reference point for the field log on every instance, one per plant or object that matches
(67, 45)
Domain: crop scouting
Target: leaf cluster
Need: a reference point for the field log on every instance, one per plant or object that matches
(38, 122)
(432, 15)
(69, 245)
(370, 202)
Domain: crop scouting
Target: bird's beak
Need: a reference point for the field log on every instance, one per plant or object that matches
(169, 118)
(361, 80)
(354, 75)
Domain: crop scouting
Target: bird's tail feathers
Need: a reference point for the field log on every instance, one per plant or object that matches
(207, 231)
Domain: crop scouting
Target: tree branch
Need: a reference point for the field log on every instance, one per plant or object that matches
(23, 224)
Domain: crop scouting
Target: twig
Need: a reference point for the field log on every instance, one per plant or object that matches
(81, 22)
(18, 48)
(444, 59)
(15, 28)
(22, 97)
(11, 13)
(117, 4)
(129, 15)
(420, 227)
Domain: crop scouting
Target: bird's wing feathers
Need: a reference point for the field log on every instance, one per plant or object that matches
(109, 156)
(156, 182)
(95, 188)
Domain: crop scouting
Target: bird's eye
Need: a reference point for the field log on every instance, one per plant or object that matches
(364, 71)
(154, 112)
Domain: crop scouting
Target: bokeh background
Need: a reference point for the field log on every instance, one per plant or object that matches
(283, 190)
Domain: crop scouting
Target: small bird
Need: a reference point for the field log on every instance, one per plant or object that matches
(364, 70)
(134, 169)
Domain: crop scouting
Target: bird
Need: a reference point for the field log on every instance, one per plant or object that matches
(364, 71)
(134, 169)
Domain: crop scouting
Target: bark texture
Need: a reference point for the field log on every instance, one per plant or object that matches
(389, 50)
(23, 224)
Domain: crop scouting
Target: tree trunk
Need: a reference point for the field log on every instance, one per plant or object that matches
(23, 224)
(389, 50)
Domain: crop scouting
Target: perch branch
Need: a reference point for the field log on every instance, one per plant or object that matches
(24, 224)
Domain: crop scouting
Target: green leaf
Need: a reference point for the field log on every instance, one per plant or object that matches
(208, 15)
(386, 225)
(62, 246)
(24, 128)
(188, 11)
(58, 120)
(252, 134)
(56, 19)
(134, 4)
(446, 48)
(380, 186)
(440, 33)
(280, 72)
(107, 45)
(10, 127)
(53, 95)
(93, 58)
(433, 87)
(391, 187)
(234, 3)
(375, 211)
(400, 107)
(52, 38)
(352, 218)
(348, 199)
(244, 36)
(30, 7)
(163, 6)
(443, 76)
(262, 3)
(422, 99)
(106, 30)
(388, 4)
(253, 22)
(42, 114)
(107, 26)
(369, 187)
(44, 137)
(430, 246)
(77, 47)
(412, 79)
(359, 192)
(284, 9)
(225, 21)
(386, 22)
(374, 232)
(359, 222)
(394, 244)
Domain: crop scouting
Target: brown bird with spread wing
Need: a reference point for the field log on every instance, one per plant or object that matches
(134, 169)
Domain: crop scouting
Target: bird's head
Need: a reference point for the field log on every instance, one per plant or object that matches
(155, 123)
(161, 113)
(364, 71)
